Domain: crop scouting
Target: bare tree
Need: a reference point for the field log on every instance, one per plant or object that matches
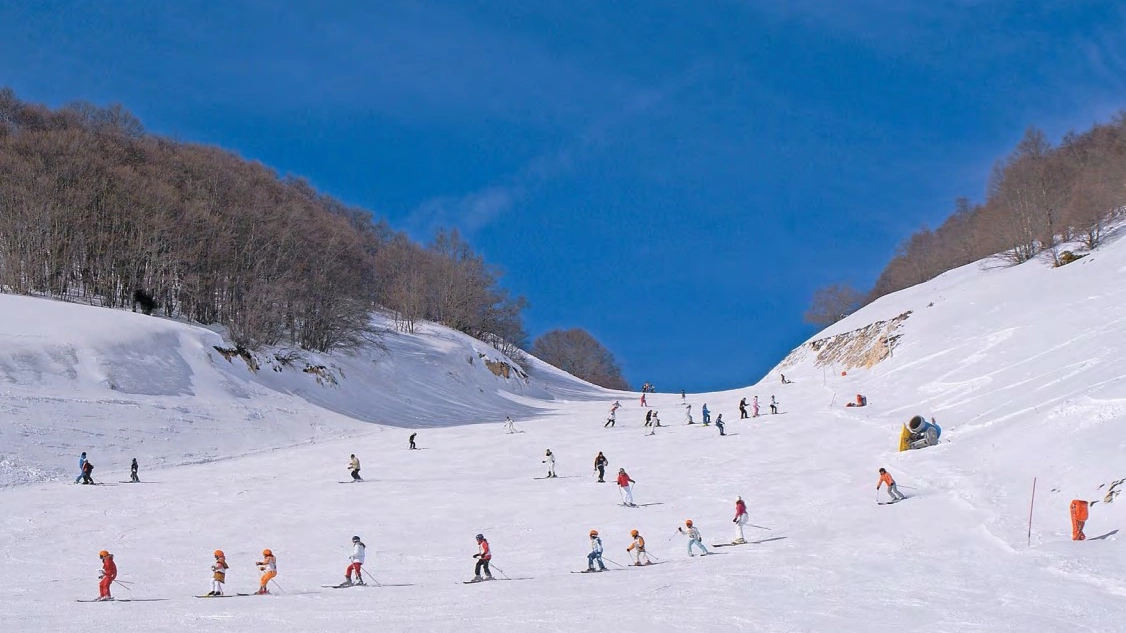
(832, 303)
(576, 352)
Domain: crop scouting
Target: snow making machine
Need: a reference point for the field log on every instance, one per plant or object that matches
(918, 433)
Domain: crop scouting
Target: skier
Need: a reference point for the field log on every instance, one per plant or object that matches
(218, 573)
(656, 420)
(269, 568)
(643, 399)
(600, 464)
(624, 489)
(81, 467)
(87, 468)
(742, 408)
(107, 575)
(693, 534)
(773, 405)
(133, 472)
(1080, 512)
(613, 419)
(740, 520)
(719, 424)
(595, 553)
(483, 556)
(355, 562)
(639, 545)
(707, 414)
(649, 417)
(413, 447)
(653, 428)
(549, 459)
(688, 414)
(509, 425)
(354, 466)
(754, 406)
(682, 396)
(893, 490)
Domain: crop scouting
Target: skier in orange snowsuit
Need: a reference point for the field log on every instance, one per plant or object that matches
(109, 574)
(1078, 518)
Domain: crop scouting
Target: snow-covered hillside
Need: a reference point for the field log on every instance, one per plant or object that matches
(1023, 367)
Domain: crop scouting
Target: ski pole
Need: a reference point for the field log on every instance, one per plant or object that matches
(123, 582)
(123, 585)
(277, 585)
(501, 572)
(648, 555)
(610, 561)
(673, 534)
(370, 577)
(759, 527)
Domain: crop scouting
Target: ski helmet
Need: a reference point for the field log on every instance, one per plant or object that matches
(219, 554)
(688, 522)
(480, 537)
(634, 533)
(103, 554)
(594, 532)
(621, 470)
(267, 552)
(355, 539)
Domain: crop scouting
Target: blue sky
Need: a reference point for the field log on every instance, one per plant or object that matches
(677, 178)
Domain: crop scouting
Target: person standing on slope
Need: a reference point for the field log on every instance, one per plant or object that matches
(354, 466)
(87, 470)
(483, 556)
(549, 459)
(269, 568)
(595, 554)
(637, 548)
(643, 399)
(719, 424)
(693, 538)
(133, 472)
(81, 467)
(355, 563)
(740, 520)
(649, 418)
(707, 414)
(754, 406)
(742, 408)
(600, 464)
(218, 573)
(773, 405)
(107, 575)
(688, 414)
(624, 488)
(893, 490)
(412, 445)
(509, 425)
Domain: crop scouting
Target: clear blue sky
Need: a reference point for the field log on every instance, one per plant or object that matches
(675, 177)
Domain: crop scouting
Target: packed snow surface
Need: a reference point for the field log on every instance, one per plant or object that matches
(1022, 366)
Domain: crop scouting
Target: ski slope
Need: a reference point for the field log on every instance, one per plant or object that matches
(1023, 367)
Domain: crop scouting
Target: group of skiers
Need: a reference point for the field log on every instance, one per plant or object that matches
(86, 470)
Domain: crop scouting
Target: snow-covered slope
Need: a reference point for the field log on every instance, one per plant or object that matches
(74, 378)
(1022, 366)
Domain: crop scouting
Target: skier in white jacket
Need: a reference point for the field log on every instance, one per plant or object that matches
(355, 562)
(549, 459)
(694, 537)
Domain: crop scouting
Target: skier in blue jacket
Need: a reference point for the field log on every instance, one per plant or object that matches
(707, 414)
(595, 552)
(81, 467)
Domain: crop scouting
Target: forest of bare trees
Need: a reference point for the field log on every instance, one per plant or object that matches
(1039, 197)
(94, 209)
(578, 353)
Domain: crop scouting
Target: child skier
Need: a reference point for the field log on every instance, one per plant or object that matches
(269, 568)
(218, 573)
(893, 490)
(740, 520)
(693, 537)
(638, 545)
(107, 575)
(600, 464)
(87, 469)
(549, 459)
(707, 414)
(719, 424)
(624, 488)
(483, 556)
(688, 414)
(355, 563)
(354, 466)
(133, 472)
(595, 553)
